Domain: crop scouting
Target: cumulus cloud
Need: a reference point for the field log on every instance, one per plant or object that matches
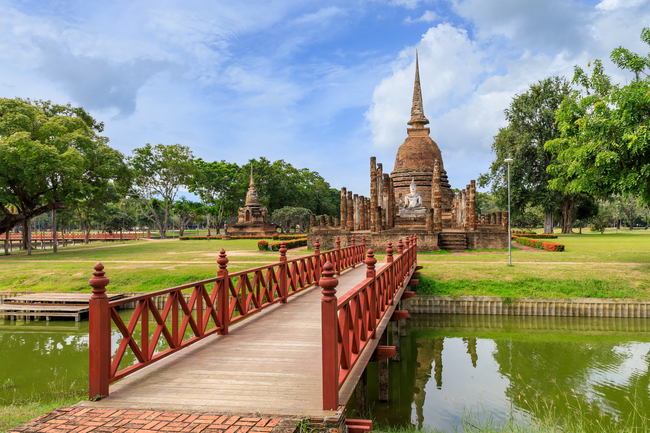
(98, 83)
(409, 4)
(427, 17)
(449, 65)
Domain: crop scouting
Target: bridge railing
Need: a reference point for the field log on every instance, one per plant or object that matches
(214, 305)
(350, 322)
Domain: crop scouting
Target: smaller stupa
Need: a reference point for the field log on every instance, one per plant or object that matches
(252, 219)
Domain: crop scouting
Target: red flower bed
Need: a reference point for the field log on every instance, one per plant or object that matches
(536, 243)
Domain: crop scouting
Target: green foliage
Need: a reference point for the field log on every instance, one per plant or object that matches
(531, 123)
(159, 172)
(538, 243)
(51, 156)
(289, 217)
(528, 219)
(604, 144)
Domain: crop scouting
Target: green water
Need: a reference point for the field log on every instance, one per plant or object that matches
(489, 364)
(514, 366)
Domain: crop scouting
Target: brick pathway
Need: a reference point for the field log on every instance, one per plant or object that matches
(80, 420)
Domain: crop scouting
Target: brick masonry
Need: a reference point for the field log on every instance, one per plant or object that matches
(560, 307)
(80, 420)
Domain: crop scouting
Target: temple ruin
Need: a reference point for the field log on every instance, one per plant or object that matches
(252, 220)
(415, 198)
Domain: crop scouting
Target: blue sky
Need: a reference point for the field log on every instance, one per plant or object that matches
(322, 85)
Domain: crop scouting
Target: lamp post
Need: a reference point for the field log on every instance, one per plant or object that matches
(509, 160)
(123, 212)
(617, 219)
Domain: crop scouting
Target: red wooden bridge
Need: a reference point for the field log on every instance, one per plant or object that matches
(264, 340)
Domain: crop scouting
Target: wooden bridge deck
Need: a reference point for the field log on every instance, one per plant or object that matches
(269, 364)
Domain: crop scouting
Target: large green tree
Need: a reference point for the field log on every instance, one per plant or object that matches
(604, 145)
(159, 172)
(531, 123)
(51, 156)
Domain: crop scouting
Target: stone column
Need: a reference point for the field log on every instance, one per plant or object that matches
(498, 222)
(322, 221)
(361, 395)
(380, 185)
(493, 218)
(436, 198)
(373, 193)
(378, 226)
(391, 203)
(356, 211)
(428, 225)
(336, 222)
(472, 205)
(386, 190)
(467, 211)
(350, 222)
(504, 220)
(368, 214)
(330, 223)
(312, 222)
(344, 208)
(454, 207)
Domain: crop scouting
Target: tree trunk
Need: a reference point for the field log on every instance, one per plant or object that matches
(54, 239)
(7, 243)
(87, 235)
(567, 214)
(28, 235)
(207, 217)
(548, 223)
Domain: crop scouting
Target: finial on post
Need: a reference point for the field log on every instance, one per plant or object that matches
(328, 283)
(222, 261)
(400, 247)
(370, 264)
(317, 246)
(353, 240)
(283, 252)
(407, 242)
(389, 252)
(363, 241)
(99, 282)
(338, 242)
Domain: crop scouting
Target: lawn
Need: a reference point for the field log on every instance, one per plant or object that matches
(593, 265)
(140, 266)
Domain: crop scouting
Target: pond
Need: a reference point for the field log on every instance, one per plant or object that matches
(505, 365)
(450, 363)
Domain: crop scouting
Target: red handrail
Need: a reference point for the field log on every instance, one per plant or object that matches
(214, 305)
(349, 323)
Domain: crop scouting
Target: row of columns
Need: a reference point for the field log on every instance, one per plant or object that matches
(382, 198)
(463, 212)
(355, 211)
(323, 221)
(499, 218)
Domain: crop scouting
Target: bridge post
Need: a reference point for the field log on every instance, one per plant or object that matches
(99, 333)
(329, 330)
(383, 369)
(371, 273)
(284, 288)
(354, 251)
(361, 395)
(337, 267)
(317, 264)
(400, 247)
(223, 304)
(395, 326)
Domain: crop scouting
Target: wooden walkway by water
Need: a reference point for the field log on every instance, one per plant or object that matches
(37, 305)
(268, 364)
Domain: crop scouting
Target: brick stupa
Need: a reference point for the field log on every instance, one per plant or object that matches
(252, 219)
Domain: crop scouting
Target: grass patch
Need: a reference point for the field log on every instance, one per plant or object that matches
(435, 253)
(488, 250)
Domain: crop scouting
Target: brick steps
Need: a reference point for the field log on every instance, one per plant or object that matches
(453, 242)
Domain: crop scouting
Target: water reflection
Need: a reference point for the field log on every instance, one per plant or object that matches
(497, 364)
(35, 354)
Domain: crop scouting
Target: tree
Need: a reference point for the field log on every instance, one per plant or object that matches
(288, 217)
(51, 155)
(586, 208)
(188, 211)
(216, 184)
(159, 172)
(604, 144)
(531, 123)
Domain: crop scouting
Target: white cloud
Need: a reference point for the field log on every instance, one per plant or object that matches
(427, 17)
(610, 5)
(319, 16)
(408, 4)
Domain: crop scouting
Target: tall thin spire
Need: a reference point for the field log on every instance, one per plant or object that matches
(417, 110)
(252, 181)
(252, 199)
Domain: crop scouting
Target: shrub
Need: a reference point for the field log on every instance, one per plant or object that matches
(535, 236)
(197, 238)
(275, 246)
(262, 245)
(536, 243)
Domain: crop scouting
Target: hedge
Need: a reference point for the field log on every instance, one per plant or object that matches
(523, 232)
(275, 246)
(198, 238)
(535, 236)
(275, 237)
(536, 243)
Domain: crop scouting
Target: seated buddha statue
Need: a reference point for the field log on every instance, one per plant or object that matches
(411, 205)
